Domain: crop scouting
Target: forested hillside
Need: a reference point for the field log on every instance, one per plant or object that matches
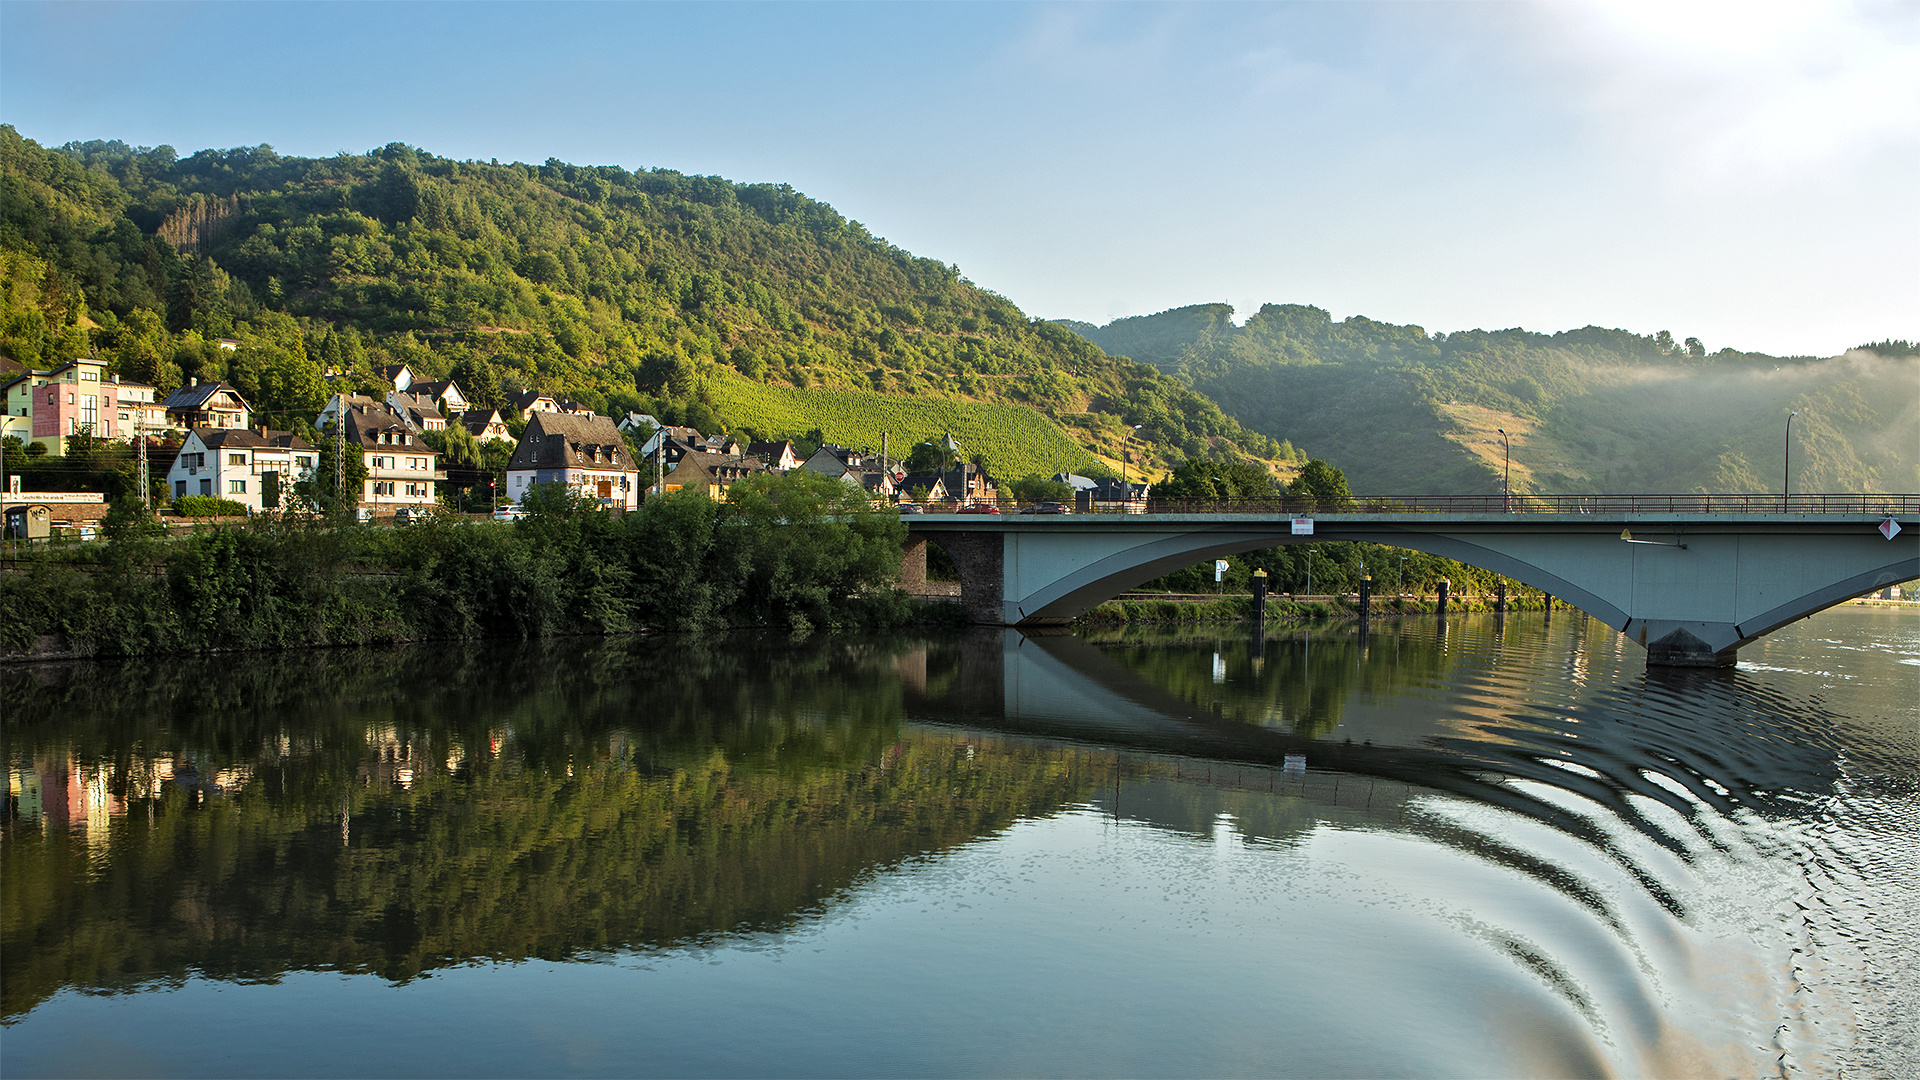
(622, 290)
(1589, 410)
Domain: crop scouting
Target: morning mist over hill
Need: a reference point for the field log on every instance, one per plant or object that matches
(1588, 410)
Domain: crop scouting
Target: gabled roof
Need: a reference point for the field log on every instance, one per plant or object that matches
(242, 439)
(569, 440)
(195, 398)
(724, 468)
(366, 423)
(434, 389)
(525, 399)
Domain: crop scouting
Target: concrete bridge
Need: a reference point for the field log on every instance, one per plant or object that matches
(1689, 577)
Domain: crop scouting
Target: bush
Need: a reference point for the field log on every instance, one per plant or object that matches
(207, 506)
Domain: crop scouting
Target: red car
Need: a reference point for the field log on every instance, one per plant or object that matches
(980, 508)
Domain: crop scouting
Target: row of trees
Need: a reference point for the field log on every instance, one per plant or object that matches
(798, 550)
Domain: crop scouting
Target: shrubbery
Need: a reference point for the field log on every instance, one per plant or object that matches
(207, 506)
(799, 551)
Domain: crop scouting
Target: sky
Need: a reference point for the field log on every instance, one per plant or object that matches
(1745, 173)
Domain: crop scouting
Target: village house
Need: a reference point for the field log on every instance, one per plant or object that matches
(401, 468)
(677, 441)
(585, 453)
(637, 423)
(77, 398)
(422, 413)
(965, 484)
(213, 404)
(710, 474)
(532, 401)
(444, 394)
(779, 456)
(255, 469)
(486, 425)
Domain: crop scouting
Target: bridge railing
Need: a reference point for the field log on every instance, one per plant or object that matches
(1902, 505)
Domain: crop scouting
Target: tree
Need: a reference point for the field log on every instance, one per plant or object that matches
(1324, 484)
(478, 382)
(318, 491)
(1210, 478)
(1034, 488)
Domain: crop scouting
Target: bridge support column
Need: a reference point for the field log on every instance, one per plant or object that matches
(913, 565)
(981, 559)
(1682, 649)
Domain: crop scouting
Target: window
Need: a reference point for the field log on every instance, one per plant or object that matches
(89, 375)
(416, 489)
(179, 488)
(236, 459)
(383, 487)
(304, 462)
(69, 399)
(236, 487)
(206, 487)
(379, 462)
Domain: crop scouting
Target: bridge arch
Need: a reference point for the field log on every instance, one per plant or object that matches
(1692, 590)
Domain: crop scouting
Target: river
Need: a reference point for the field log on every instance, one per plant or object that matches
(1470, 847)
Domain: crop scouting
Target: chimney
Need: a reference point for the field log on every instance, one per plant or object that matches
(192, 382)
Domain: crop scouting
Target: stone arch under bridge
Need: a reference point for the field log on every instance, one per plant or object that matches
(1692, 589)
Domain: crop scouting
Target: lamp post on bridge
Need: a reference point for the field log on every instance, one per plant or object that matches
(1786, 463)
(1506, 478)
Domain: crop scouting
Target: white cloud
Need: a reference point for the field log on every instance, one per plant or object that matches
(1708, 92)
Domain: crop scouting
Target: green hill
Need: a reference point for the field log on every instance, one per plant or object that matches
(1588, 410)
(619, 289)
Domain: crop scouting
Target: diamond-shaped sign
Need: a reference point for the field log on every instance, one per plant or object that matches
(1889, 528)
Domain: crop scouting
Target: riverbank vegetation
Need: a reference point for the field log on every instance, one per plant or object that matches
(797, 551)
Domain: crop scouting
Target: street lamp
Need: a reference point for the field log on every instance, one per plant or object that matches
(1506, 478)
(1786, 460)
(1126, 454)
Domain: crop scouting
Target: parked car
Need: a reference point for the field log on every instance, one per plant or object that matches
(980, 508)
(911, 508)
(409, 515)
(508, 513)
(1047, 508)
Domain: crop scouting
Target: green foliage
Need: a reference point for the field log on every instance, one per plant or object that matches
(1033, 488)
(1198, 478)
(1014, 440)
(797, 551)
(208, 506)
(1592, 409)
(1325, 485)
(591, 283)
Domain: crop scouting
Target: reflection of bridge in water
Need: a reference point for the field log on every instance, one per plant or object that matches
(1691, 578)
(1723, 752)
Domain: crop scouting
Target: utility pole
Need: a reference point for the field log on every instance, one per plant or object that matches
(1786, 463)
(140, 439)
(340, 449)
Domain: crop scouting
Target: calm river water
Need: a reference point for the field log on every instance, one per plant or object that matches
(1446, 849)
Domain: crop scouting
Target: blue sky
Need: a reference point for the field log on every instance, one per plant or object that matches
(1745, 173)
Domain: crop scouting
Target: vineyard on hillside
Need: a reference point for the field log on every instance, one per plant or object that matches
(1012, 440)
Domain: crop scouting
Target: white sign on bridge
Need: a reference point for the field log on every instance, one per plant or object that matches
(1303, 526)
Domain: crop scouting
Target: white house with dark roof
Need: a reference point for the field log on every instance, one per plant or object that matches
(400, 467)
(212, 404)
(585, 453)
(256, 469)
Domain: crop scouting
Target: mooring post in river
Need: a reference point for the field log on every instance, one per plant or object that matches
(1366, 599)
(1441, 604)
(1500, 596)
(1259, 596)
(1549, 607)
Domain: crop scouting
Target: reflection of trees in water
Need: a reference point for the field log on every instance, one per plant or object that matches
(1299, 680)
(407, 810)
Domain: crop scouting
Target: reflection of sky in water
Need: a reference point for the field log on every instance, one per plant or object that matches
(1510, 853)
